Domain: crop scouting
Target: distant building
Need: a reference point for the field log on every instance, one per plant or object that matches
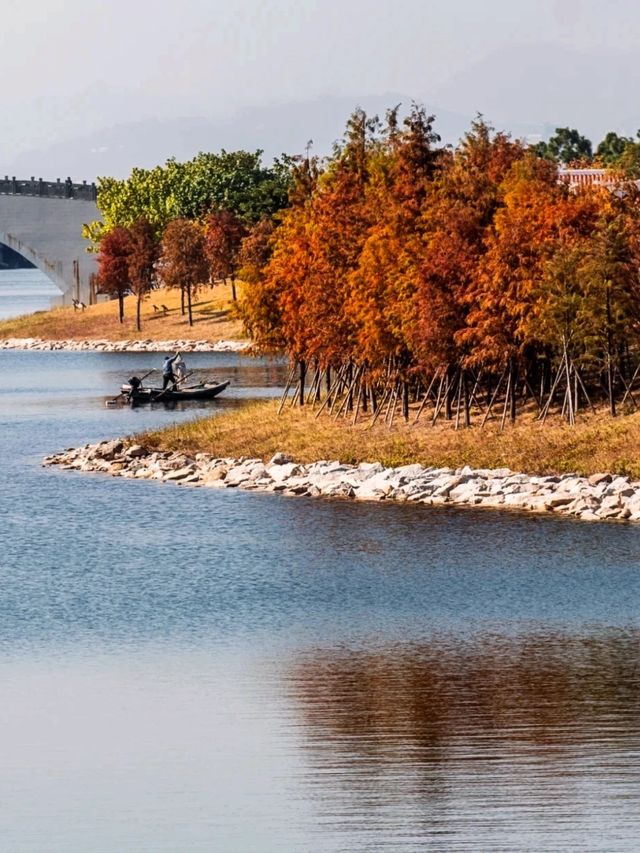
(587, 177)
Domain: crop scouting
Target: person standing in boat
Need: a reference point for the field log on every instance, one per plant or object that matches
(179, 369)
(168, 376)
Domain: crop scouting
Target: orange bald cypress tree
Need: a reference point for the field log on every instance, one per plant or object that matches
(382, 286)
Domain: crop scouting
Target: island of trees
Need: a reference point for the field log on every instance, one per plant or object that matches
(467, 282)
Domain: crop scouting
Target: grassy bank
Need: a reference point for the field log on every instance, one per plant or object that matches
(213, 317)
(597, 443)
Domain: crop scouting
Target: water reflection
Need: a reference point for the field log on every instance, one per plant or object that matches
(484, 743)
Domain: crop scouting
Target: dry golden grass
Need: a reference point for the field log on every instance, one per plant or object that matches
(597, 443)
(213, 317)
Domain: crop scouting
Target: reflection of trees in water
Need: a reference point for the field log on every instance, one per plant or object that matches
(531, 729)
(558, 690)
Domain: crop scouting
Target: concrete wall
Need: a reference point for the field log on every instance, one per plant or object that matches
(48, 232)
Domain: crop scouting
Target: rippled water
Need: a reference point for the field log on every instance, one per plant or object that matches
(228, 671)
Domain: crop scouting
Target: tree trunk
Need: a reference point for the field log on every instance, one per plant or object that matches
(233, 288)
(303, 375)
(612, 399)
(513, 367)
(189, 304)
(465, 397)
(365, 398)
(138, 304)
(448, 413)
(405, 400)
(182, 300)
(121, 306)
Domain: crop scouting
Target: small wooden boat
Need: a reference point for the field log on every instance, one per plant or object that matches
(202, 391)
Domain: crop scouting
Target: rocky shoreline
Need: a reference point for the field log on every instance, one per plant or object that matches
(597, 498)
(89, 345)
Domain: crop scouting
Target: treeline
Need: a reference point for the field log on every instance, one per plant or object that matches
(399, 269)
(570, 148)
(181, 224)
(458, 277)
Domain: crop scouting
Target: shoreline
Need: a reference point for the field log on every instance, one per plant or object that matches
(131, 345)
(600, 497)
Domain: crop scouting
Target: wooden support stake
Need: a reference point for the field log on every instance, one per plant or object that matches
(329, 396)
(506, 402)
(493, 398)
(633, 379)
(286, 390)
(444, 379)
(427, 395)
(396, 400)
(545, 411)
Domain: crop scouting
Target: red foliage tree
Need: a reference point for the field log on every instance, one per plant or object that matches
(143, 256)
(183, 263)
(224, 233)
(113, 266)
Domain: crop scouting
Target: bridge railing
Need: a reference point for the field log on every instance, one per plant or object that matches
(48, 189)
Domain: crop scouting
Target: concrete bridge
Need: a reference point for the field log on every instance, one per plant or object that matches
(42, 221)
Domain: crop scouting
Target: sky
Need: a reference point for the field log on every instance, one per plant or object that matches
(72, 67)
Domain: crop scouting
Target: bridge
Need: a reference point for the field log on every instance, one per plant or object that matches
(42, 221)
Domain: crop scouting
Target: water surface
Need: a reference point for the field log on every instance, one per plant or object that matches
(208, 670)
(24, 291)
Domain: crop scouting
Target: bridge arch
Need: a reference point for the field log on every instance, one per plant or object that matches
(47, 231)
(53, 274)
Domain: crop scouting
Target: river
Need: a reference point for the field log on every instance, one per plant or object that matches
(24, 291)
(202, 670)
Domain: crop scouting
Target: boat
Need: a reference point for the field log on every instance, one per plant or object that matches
(203, 391)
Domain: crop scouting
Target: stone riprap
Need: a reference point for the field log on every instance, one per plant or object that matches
(124, 346)
(595, 498)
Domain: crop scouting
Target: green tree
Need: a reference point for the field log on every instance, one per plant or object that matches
(612, 148)
(236, 181)
(566, 146)
(621, 153)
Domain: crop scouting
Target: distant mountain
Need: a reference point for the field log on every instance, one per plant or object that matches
(276, 128)
(551, 86)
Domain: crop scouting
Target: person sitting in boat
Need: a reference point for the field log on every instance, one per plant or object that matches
(168, 376)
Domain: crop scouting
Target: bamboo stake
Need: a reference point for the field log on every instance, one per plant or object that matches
(329, 396)
(633, 378)
(444, 380)
(392, 403)
(627, 392)
(584, 390)
(506, 403)
(345, 402)
(339, 388)
(572, 418)
(545, 411)
(427, 395)
(493, 398)
(378, 411)
(361, 391)
(286, 390)
(395, 402)
(473, 395)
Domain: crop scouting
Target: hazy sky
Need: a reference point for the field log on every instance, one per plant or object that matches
(70, 66)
